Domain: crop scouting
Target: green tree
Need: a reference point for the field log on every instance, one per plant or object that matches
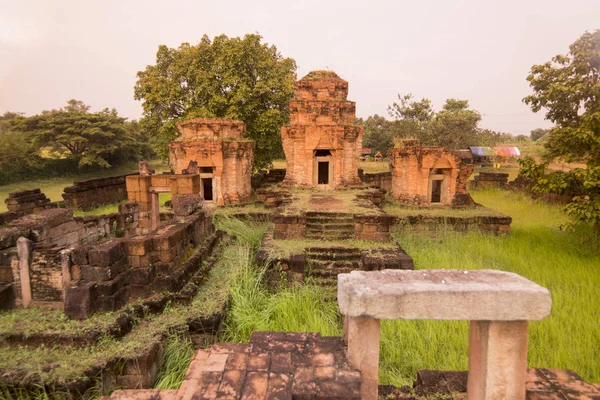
(538, 133)
(378, 135)
(568, 89)
(454, 127)
(238, 78)
(89, 138)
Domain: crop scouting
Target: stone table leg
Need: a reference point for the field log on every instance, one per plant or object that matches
(497, 360)
(362, 336)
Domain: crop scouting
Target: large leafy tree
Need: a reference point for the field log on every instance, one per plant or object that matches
(567, 88)
(238, 78)
(454, 127)
(91, 139)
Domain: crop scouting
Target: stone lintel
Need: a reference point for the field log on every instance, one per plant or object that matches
(480, 295)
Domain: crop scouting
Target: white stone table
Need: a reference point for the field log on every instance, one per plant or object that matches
(498, 304)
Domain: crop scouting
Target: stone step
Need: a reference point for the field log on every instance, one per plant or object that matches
(334, 256)
(319, 214)
(329, 220)
(330, 235)
(332, 249)
(334, 226)
(323, 265)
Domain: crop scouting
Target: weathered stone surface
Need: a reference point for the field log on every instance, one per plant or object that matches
(107, 253)
(442, 294)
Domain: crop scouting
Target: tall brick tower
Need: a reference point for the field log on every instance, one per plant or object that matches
(321, 144)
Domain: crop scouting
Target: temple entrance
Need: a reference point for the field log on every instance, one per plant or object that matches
(438, 186)
(323, 169)
(207, 188)
(207, 177)
(436, 191)
(323, 173)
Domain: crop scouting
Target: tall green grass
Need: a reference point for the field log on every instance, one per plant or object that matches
(179, 352)
(566, 262)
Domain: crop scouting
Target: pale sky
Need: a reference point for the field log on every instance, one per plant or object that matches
(480, 50)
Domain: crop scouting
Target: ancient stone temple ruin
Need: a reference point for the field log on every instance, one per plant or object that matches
(224, 157)
(321, 145)
(429, 176)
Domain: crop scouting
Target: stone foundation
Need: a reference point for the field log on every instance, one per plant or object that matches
(490, 180)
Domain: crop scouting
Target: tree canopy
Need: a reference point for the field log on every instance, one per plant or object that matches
(238, 78)
(89, 138)
(455, 126)
(567, 88)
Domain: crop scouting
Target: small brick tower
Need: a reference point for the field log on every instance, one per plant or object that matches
(223, 154)
(321, 145)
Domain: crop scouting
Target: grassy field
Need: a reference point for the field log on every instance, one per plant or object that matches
(53, 187)
(566, 262)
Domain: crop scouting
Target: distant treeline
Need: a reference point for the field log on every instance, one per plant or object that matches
(68, 140)
(454, 127)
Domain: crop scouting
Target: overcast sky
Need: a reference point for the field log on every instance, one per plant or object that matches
(480, 50)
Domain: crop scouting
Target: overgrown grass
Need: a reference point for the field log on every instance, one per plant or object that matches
(302, 308)
(287, 248)
(179, 352)
(104, 209)
(567, 263)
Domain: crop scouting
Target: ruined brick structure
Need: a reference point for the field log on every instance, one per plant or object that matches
(223, 154)
(428, 176)
(85, 195)
(321, 145)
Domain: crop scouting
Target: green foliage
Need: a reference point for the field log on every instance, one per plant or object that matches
(73, 132)
(538, 133)
(238, 78)
(567, 89)
(179, 352)
(379, 134)
(302, 308)
(57, 142)
(454, 127)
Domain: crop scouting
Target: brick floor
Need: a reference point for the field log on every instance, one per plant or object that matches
(273, 365)
(277, 365)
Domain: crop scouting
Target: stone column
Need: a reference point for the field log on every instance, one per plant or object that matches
(155, 216)
(362, 337)
(25, 253)
(497, 360)
(65, 263)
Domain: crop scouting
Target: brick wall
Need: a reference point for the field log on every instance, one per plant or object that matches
(412, 168)
(380, 180)
(85, 195)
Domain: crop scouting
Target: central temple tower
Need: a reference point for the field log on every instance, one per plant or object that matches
(321, 144)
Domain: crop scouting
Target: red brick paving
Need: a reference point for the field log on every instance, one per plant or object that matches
(277, 365)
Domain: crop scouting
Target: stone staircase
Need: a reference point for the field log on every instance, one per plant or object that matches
(325, 263)
(329, 225)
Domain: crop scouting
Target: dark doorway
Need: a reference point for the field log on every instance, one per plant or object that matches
(436, 191)
(207, 188)
(323, 177)
(322, 153)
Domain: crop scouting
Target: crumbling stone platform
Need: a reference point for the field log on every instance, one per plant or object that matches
(273, 365)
